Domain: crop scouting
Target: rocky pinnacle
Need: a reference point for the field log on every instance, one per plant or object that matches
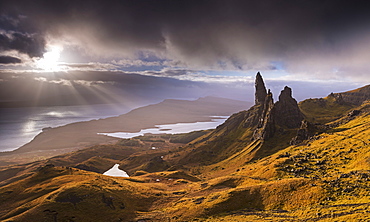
(287, 111)
(260, 94)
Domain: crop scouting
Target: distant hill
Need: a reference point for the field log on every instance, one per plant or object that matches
(277, 161)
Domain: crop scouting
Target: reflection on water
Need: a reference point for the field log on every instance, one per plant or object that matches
(172, 128)
(19, 126)
(61, 114)
(29, 126)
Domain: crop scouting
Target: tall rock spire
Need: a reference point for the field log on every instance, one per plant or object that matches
(266, 114)
(260, 94)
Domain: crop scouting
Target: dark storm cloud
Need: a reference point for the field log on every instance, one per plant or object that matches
(17, 33)
(239, 34)
(9, 60)
(31, 45)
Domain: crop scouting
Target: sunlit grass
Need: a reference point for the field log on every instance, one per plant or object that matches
(323, 179)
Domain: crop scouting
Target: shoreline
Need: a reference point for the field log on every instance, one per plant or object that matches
(80, 135)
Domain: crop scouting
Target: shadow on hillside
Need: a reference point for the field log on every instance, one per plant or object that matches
(339, 130)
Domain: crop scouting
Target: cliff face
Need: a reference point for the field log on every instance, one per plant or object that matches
(266, 124)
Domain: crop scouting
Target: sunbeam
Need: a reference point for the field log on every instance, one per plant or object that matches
(50, 60)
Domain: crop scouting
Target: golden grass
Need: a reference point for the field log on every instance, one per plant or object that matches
(325, 179)
(323, 110)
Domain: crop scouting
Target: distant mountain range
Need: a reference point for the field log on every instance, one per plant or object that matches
(276, 161)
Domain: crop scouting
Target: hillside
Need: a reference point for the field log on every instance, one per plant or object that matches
(269, 163)
(356, 96)
(324, 110)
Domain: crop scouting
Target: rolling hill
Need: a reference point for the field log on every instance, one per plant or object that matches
(277, 161)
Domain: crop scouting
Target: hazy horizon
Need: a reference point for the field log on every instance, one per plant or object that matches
(125, 51)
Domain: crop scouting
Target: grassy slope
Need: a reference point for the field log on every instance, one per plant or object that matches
(323, 110)
(324, 179)
(65, 194)
(337, 163)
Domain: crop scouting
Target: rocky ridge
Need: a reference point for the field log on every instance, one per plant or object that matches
(356, 97)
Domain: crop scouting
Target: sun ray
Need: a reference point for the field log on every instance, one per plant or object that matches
(50, 59)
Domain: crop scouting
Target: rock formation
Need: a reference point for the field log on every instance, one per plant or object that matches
(337, 98)
(287, 111)
(266, 125)
(303, 133)
(260, 93)
(284, 113)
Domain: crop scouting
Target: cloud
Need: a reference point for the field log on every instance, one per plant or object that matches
(89, 87)
(91, 66)
(9, 60)
(16, 33)
(137, 63)
(311, 38)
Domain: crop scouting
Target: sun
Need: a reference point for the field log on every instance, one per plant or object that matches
(50, 59)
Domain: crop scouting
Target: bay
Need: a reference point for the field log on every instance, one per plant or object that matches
(19, 126)
(172, 128)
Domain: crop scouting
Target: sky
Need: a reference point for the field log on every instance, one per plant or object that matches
(130, 50)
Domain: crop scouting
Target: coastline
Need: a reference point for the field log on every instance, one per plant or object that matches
(74, 136)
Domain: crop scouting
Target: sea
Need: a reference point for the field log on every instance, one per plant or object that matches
(19, 126)
(172, 128)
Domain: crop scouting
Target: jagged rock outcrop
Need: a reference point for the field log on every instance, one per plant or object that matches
(286, 110)
(303, 133)
(260, 93)
(354, 113)
(338, 98)
(260, 123)
(283, 113)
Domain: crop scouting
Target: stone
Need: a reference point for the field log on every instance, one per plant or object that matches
(285, 113)
(305, 131)
(286, 110)
(354, 113)
(337, 98)
(260, 93)
(266, 124)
